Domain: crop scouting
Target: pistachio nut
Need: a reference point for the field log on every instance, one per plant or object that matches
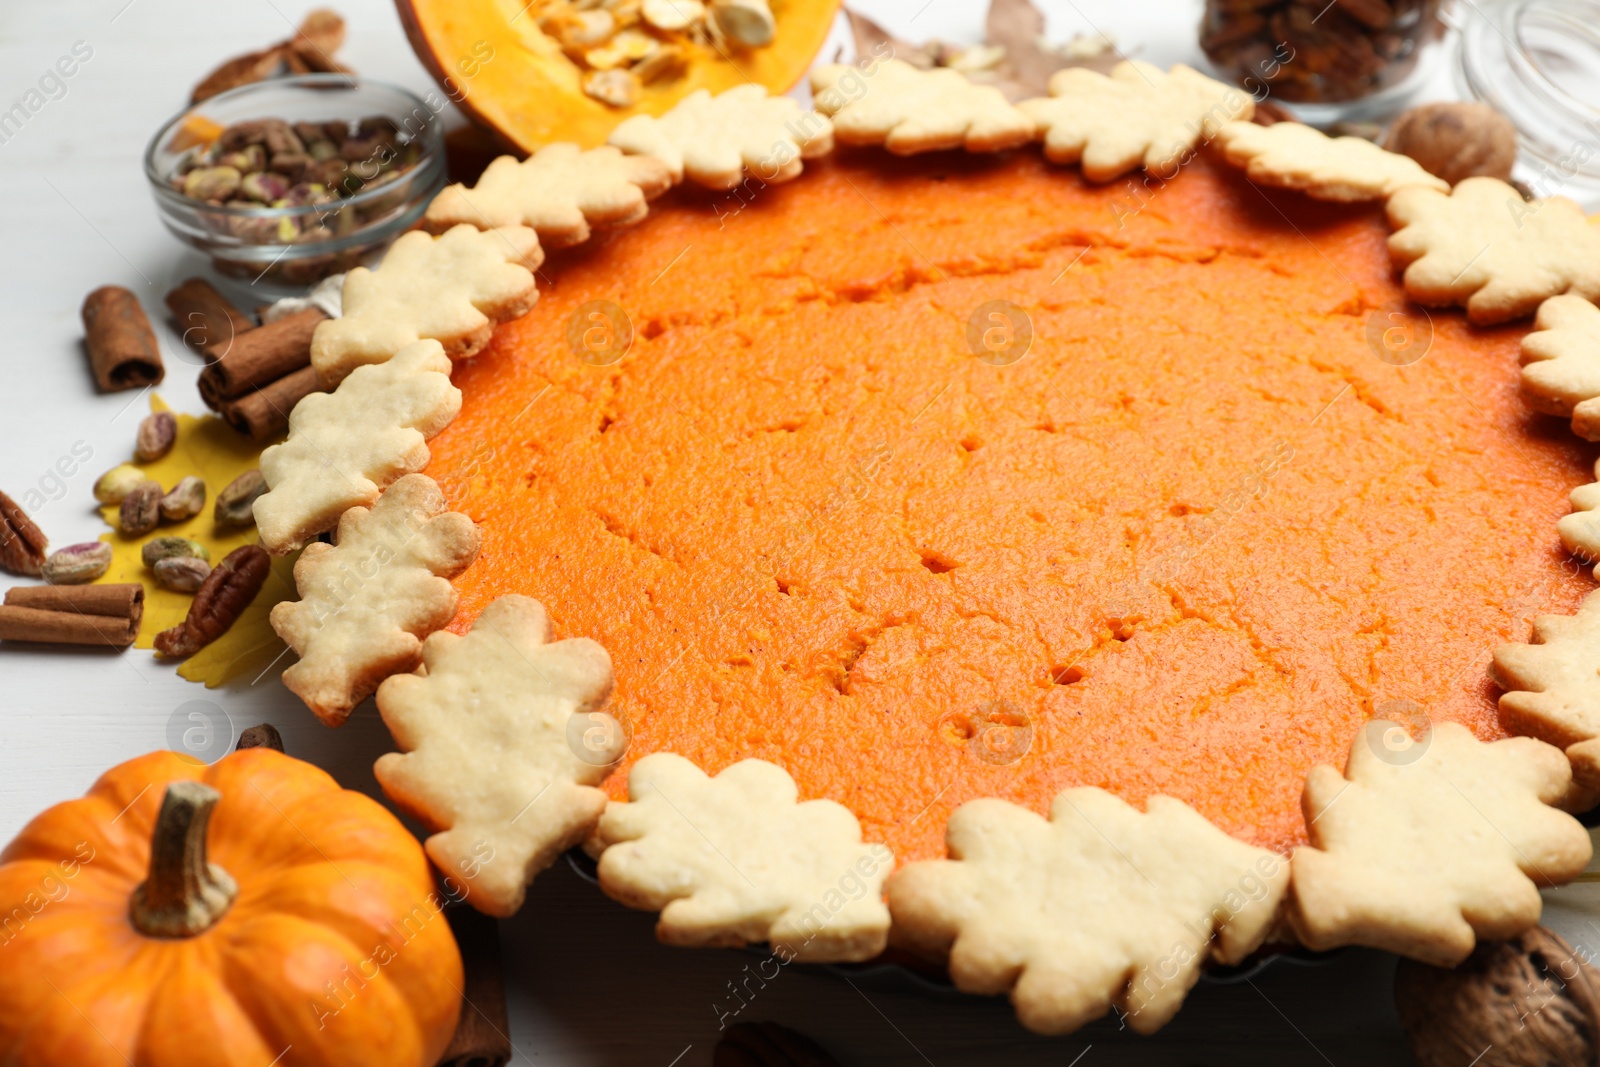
(265, 187)
(181, 574)
(235, 504)
(159, 548)
(246, 160)
(211, 183)
(116, 483)
(141, 509)
(184, 500)
(77, 564)
(156, 435)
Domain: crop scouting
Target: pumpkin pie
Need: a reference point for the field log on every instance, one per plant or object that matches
(1182, 529)
(1073, 523)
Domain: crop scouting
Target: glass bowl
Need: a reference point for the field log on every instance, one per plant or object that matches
(1537, 62)
(290, 247)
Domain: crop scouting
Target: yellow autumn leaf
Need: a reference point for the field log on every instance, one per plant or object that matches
(207, 447)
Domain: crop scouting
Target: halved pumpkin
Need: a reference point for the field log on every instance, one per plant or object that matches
(492, 59)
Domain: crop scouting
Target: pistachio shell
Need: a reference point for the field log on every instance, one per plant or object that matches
(78, 564)
(159, 548)
(156, 435)
(235, 504)
(115, 484)
(181, 574)
(184, 500)
(140, 509)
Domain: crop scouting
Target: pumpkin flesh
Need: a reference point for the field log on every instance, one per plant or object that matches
(491, 58)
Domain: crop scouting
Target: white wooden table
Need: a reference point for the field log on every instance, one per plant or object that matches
(588, 984)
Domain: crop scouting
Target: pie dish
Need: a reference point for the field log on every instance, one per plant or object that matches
(904, 500)
(811, 526)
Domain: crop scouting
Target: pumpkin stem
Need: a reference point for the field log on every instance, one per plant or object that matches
(184, 894)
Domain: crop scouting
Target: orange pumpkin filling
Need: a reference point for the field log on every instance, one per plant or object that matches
(1204, 528)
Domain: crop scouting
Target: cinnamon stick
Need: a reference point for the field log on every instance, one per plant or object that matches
(264, 414)
(123, 352)
(204, 316)
(259, 357)
(122, 601)
(482, 1037)
(65, 627)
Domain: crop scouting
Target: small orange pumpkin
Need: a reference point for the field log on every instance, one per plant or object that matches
(304, 929)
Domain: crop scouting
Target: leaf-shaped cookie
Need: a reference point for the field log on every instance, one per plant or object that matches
(1552, 688)
(1484, 247)
(1423, 852)
(1101, 905)
(451, 289)
(1552, 682)
(487, 763)
(908, 110)
(1561, 363)
(1295, 156)
(344, 447)
(716, 140)
(561, 191)
(367, 602)
(1580, 531)
(736, 858)
(1139, 115)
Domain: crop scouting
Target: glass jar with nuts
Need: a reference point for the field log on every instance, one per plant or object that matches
(1333, 59)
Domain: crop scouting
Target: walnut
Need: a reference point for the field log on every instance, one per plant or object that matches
(1528, 1002)
(1456, 140)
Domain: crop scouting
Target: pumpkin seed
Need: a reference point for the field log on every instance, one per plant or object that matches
(747, 22)
(618, 88)
(672, 15)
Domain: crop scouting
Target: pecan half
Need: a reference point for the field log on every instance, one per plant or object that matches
(218, 603)
(22, 544)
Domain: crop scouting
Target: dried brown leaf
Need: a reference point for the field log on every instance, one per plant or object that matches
(321, 30)
(240, 70)
(1018, 27)
(872, 39)
(310, 50)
